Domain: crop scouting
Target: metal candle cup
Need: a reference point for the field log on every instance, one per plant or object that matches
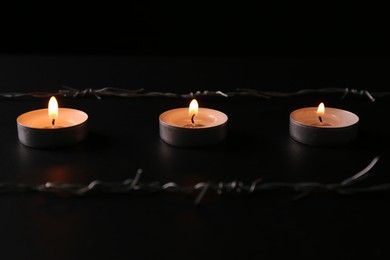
(333, 127)
(37, 130)
(179, 128)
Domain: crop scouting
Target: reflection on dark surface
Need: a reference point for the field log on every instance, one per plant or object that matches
(59, 174)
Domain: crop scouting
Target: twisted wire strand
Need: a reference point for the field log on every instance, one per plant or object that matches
(240, 92)
(133, 185)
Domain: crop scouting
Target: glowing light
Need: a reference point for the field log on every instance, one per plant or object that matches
(193, 109)
(53, 108)
(321, 109)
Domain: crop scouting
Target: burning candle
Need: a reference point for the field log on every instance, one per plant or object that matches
(52, 127)
(323, 126)
(53, 110)
(193, 126)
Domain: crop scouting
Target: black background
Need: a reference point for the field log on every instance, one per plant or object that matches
(188, 29)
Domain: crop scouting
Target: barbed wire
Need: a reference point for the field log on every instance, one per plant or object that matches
(134, 185)
(342, 93)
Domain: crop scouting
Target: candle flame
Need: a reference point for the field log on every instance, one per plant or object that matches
(321, 109)
(193, 110)
(53, 108)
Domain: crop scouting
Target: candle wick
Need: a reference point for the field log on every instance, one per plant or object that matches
(53, 122)
(320, 118)
(192, 119)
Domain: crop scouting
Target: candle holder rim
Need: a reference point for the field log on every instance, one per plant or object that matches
(59, 129)
(355, 117)
(326, 109)
(223, 122)
(85, 119)
(325, 128)
(203, 128)
(186, 108)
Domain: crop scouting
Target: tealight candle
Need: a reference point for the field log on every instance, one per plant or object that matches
(193, 126)
(52, 127)
(324, 127)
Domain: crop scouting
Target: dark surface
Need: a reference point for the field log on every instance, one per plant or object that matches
(123, 136)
